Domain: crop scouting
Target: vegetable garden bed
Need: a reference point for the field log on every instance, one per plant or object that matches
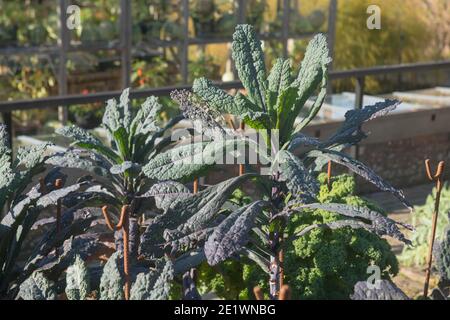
(305, 234)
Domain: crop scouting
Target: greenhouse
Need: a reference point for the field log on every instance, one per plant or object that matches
(224, 150)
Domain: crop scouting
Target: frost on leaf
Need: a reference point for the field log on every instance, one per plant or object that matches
(190, 291)
(199, 113)
(79, 135)
(161, 289)
(302, 140)
(179, 163)
(187, 216)
(360, 169)
(126, 166)
(77, 280)
(188, 260)
(118, 116)
(350, 132)
(165, 193)
(313, 67)
(280, 76)
(52, 197)
(155, 284)
(125, 106)
(74, 159)
(112, 117)
(112, 280)
(196, 212)
(186, 161)
(216, 98)
(73, 226)
(84, 139)
(382, 290)
(250, 63)
(442, 253)
(232, 234)
(313, 74)
(31, 156)
(146, 120)
(298, 179)
(37, 287)
(143, 285)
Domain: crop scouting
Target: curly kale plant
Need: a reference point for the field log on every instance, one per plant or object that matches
(320, 265)
(273, 102)
(23, 208)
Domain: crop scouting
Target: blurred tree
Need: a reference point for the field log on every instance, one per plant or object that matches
(404, 37)
(437, 17)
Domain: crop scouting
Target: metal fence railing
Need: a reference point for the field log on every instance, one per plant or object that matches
(125, 45)
(6, 107)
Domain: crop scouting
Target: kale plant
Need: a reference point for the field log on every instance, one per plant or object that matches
(273, 102)
(105, 282)
(385, 290)
(24, 204)
(323, 264)
(126, 171)
(117, 164)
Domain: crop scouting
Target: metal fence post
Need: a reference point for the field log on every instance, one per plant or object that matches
(64, 42)
(125, 41)
(332, 13)
(185, 43)
(285, 28)
(241, 11)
